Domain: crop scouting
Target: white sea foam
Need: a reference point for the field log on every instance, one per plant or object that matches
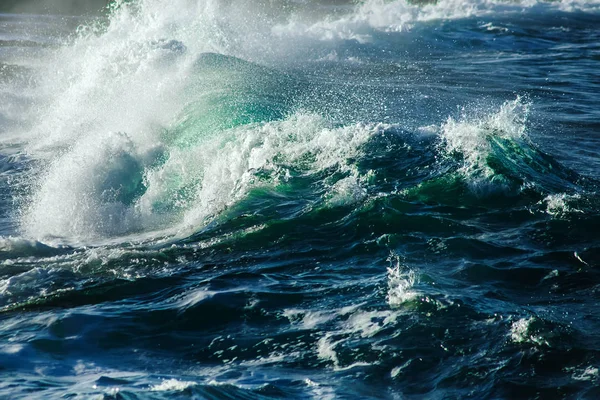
(304, 141)
(521, 331)
(588, 374)
(78, 196)
(318, 391)
(471, 138)
(350, 322)
(172, 385)
(326, 350)
(560, 205)
(398, 370)
(309, 319)
(369, 323)
(101, 105)
(372, 16)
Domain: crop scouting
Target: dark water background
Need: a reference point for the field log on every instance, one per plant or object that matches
(253, 200)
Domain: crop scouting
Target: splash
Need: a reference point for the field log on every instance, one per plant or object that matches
(401, 281)
(109, 187)
(473, 139)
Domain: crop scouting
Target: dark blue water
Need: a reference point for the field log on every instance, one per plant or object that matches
(223, 200)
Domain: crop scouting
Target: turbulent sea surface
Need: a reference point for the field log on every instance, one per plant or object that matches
(235, 199)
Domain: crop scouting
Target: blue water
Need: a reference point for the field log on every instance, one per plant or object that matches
(238, 199)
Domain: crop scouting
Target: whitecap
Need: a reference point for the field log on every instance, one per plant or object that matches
(172, 385)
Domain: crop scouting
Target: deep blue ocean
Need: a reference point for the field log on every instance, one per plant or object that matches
(252, 199)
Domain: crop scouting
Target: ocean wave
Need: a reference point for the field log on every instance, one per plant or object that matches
(491, 154)
(372, 16)
(156, 122)
(107, 186)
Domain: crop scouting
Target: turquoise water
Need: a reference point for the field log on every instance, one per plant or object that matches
(238, 199)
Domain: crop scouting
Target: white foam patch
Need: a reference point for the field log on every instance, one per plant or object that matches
(518, 330)
(588, 374)
(521, 332)
(309, 319)
(560, 205)
(358, 323)
(271, 359)
(318, 391)
(326, 350)
(398, 370)
(551, 275)
(78, 195)
(304, 141)
(172, 385)
(369, 323)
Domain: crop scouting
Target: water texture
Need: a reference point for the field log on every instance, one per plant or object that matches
(301, 199)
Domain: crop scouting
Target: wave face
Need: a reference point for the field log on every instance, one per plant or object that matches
(323, 199)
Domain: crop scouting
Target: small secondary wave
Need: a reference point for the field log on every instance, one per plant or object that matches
(491, 155)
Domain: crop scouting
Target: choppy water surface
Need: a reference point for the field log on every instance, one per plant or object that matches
(230, 199)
